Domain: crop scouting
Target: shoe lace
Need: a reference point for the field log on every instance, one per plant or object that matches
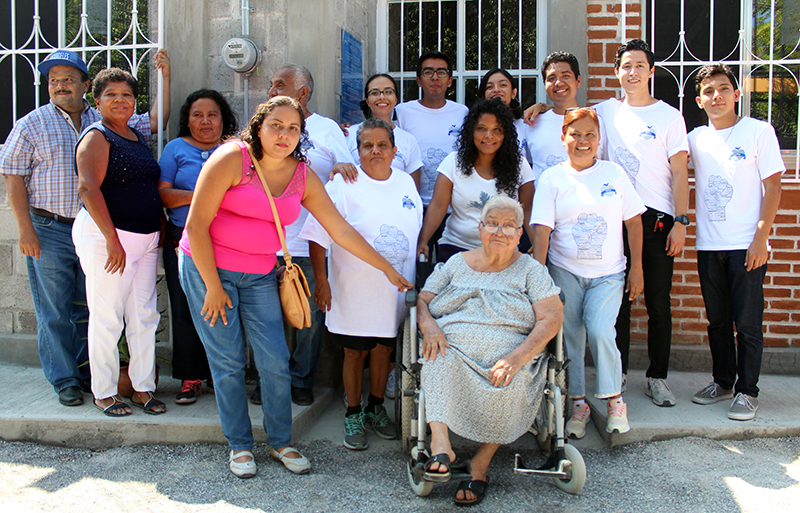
(579, 413)
(661, 385)
(190, 386)
(743, 400)
(616, 410)
(379, 419)
(354, 424)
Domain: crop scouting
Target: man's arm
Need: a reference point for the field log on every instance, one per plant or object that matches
(679, 163)
(18, 200)
(757, 253)
(162, 62)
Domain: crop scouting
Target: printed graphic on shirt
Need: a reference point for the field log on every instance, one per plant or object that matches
(483, 199)
(523, 146)
(607, 190)
(648, 134)
(629, 163)
(718, 194)
(392, 244)
(430, 164)
(399, 156)
(307, 145)
(408, 203)
(455, 130)
(589, 233)
(737, 154)
(554, 160)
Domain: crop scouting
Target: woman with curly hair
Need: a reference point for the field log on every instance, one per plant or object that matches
(227, 267)
(499, 83)
(487, 163)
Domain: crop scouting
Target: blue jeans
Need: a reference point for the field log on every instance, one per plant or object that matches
(590, 311)
(733, 296)
(305, 357)
(58, 289)
(257, 312)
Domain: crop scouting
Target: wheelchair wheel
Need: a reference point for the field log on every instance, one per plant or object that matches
(575, 484)
(404, 403)
(545, 426)
(421, 487)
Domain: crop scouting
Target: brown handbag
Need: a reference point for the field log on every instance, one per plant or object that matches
(292, 284)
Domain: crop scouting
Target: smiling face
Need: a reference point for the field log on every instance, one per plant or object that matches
(381, 105)
(205, 121)
(116, 103)
(375, 152)
(488, 135)
(280, 132)
(499, 86)
(561, 85)
(66, 89)
(718, 98)
(283, 84)
(434, 87)
(634, 71)
(581, 140)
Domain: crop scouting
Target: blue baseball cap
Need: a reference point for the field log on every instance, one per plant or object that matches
(62, 57)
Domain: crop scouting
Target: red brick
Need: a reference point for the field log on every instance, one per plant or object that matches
(630, 7)
(770, 292)
(786, 219)
(790, 199)
(590, 9)
(595, 82)
(695, 326)
(601, 70)
(611, 53)
(777, 317)
(786, 255)
(795, 316)
(692, 278)
(693, 301)
(781, 268)
(638, 336)
(688, 339)
(600, 94)
(791, 329)
(612, 82)
(633, 34)
(782, 243)
(783, 231)
(686, 290)
(634, 21)
(784, 304)
(595, 52)
(602, 34)
(775, 342)
(786, 280)
(686, 265)
(638, 312)
(686, 314)
(690, 254)
(604, 21)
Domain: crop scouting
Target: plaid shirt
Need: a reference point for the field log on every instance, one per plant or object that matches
(41, 147)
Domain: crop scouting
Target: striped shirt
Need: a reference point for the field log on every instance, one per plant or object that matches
(41, 147)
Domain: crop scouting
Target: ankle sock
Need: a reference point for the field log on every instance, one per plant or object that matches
(372, 402)
(353, 410)
(578, 402)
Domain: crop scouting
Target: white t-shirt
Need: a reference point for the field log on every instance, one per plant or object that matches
(522, 139)
(436, 131)
(325, 148)
(729, 166)
(388, 214)
(586, 210)
(470, 194)
(544, 142)
(407, 159)
(641, 140)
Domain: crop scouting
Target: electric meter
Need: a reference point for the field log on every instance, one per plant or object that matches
(241, 55)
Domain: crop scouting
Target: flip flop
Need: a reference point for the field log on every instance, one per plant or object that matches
(477, 487)
(435, 475)
(150, 406)
(116, 406)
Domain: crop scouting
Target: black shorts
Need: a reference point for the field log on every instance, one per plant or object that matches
(362, 343)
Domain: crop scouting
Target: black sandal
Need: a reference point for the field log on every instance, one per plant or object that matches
(150, 407)
(477, 487)
(436, 476)
(115, 407)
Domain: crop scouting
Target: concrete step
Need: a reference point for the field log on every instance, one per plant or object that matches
(778, 411)
(30, 412)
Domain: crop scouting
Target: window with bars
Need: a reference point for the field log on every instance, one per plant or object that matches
(758, 39)
(478, 35)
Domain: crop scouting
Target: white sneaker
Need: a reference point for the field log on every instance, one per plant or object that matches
(617, 417)
(658, 390)
(576, 425)
(391, 388)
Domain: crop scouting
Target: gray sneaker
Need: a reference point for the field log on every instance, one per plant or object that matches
(744, 407)
(354, 436)
(711, 394)
(380, 423)
(659, 391)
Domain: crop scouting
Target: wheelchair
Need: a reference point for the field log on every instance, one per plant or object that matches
(564, 462)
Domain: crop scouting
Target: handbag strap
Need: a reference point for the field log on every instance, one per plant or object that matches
(286, 256)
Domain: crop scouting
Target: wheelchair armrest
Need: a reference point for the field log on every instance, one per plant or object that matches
(411, 298)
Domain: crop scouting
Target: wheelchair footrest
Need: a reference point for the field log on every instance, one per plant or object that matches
(555, 466)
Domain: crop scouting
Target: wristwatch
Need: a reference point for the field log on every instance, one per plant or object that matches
(684, 220)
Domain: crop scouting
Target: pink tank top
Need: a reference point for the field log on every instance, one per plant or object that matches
(244, 233)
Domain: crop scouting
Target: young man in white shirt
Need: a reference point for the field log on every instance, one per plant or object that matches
(647, 138)
(738, 168)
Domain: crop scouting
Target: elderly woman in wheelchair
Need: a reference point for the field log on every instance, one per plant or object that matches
(486, 316)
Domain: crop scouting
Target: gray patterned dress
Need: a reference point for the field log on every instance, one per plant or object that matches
(484, 317)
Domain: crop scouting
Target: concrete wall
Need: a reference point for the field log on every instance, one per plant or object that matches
(567, 32)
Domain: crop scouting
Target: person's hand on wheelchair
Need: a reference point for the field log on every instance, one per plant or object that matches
(433, 341)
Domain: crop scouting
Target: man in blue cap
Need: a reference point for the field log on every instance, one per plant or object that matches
(38, 164)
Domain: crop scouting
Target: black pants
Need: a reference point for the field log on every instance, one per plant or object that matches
(657, 268)
(189, 361)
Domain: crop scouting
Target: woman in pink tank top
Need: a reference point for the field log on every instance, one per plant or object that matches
(227, 269)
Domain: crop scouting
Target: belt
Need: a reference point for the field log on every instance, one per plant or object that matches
(50, 215)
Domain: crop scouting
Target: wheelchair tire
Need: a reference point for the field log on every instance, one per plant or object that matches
(404, 403)
(421, 488)
(546, 428)
(575, 484)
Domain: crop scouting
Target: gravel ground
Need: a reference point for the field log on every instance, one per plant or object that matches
(678, 475)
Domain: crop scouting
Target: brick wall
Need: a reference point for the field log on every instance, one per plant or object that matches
(782, 284)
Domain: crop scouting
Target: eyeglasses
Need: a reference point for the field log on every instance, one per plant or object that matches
(508, 231)
(376, 93)
(441, 72)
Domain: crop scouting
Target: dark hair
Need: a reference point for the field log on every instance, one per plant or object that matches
(574, 115)
(506, 162)
(634, 45)
(710, 70)
(106, 76)
(249, 134)
(434, 55)
(364, 105)
(228, 117)
(561, 57)
(374, 123)
(514, 104)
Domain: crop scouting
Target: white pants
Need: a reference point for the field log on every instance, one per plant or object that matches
(114, 298)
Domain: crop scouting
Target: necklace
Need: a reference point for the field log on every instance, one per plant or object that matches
(733, 127)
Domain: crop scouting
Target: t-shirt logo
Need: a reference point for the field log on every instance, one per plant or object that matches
(430, 164)
(455, 130)
(484, 197)
(399, 156)
(718, 194)
(408, 203)
(307, 145)
(554, 160)
(607, 190)
(392, 244)
(629, 163)
(648, 134)
(589, 233)
(737, 154)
